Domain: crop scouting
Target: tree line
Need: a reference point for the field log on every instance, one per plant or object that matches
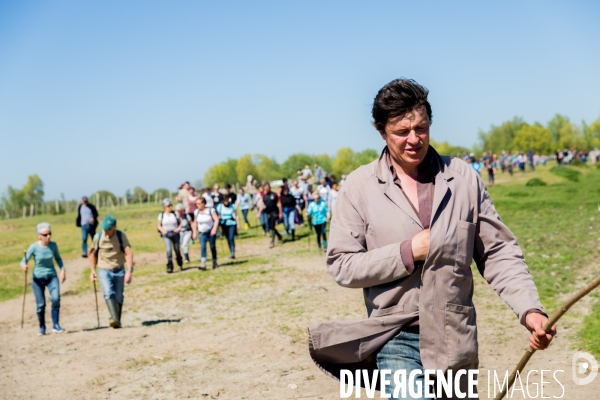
(558, 133)
(267, 169)
(514, 135)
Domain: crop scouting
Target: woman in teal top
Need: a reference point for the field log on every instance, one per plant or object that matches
(44, 253)
(229, 221)
(319, 214)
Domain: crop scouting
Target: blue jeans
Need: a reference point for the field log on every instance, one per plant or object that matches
(402, 353)
(229, 233)
(212, 240)
(113, 283)
(245, 215)
(85, 231)
(264, 221)
(170, 245)
(39, 286)
(289, 218)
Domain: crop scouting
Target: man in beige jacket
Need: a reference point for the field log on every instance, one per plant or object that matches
(406, 229)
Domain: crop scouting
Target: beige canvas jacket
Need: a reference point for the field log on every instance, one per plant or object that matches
(372, 217)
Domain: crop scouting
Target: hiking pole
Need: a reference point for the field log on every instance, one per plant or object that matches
(24, 290)
(547, 327)
(96, 297)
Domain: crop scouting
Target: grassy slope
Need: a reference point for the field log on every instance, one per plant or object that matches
(558, 227)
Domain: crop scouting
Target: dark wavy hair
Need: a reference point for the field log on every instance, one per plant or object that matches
(397, 98)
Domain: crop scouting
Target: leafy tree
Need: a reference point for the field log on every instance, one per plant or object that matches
(555, 125)
(500, 138)
(139, 193)
(162, 193)
(31, 193)
(591, 134)
(446, 149)
(268, 169)
(296, 162)
(565, 133)
(365, 157)
(222, 173)
(245, 166)
(345, 161)
(103, 195)
(534, 137)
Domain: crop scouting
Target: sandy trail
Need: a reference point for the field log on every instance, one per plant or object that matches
(247, 342)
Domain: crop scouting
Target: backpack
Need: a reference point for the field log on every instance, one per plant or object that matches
(119, 236)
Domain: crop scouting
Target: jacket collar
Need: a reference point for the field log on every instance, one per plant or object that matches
(438, 169)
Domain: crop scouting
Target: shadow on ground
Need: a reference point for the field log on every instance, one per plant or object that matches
(160, 321)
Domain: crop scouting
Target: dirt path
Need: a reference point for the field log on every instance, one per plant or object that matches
(247, 342)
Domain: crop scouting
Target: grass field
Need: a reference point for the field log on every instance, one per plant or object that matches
(558, 227)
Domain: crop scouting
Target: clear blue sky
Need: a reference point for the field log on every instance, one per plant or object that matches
(110, 95)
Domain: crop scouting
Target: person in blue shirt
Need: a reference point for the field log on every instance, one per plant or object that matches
(229, 222)
(44, 252)
(319, 214)
(243, 203)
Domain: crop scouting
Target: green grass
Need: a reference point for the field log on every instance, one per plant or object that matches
(558, 228)
(569, 173)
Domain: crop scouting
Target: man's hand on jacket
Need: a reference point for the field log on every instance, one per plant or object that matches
(420, 245)
(539, 339)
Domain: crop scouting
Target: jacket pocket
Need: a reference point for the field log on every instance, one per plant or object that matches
(465, 243)
(461, 335)
(387, 311)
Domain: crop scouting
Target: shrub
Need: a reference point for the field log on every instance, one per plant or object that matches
(578, 163)
(536, 182)
(567, 173)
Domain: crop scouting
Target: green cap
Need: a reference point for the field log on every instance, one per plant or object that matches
(108, 222)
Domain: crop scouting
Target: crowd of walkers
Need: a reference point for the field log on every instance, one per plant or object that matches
(509, 162)
(199, 215)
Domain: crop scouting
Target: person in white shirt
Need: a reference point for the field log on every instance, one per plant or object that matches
(324, 190)
(333, 193)
(169, 227)
(206, 223)
(208, 198)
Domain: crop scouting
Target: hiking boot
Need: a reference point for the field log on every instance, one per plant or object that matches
(119, 311)
(113, 321)
(42, 322)
(55, 326)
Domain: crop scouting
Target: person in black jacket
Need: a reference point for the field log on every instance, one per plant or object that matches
(87, 219)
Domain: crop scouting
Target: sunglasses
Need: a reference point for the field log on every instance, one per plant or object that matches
(46, 234)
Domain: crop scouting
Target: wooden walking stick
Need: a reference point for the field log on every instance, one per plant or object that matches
(24, 290)
(547, 327)
(96, 297)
